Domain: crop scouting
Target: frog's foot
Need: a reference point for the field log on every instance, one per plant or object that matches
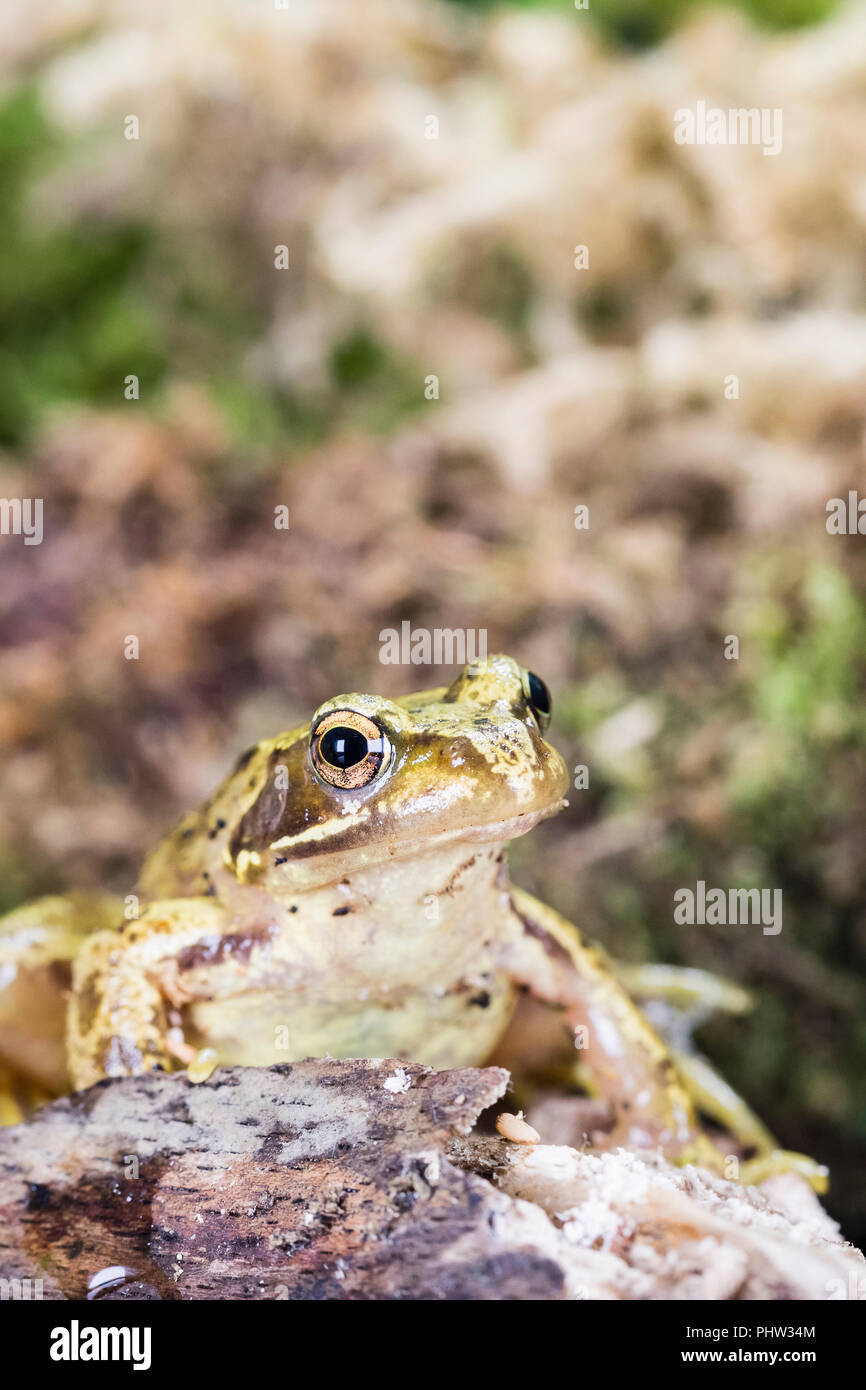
(769, 1164)
(718, 1101)
(177, 1045)
(685, 987)
(776, 1161)
(122, 1018)
(202, 1065)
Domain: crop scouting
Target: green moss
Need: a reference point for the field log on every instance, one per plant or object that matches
(358, 359)
(86, 302)
(258, 420)
(641, 23)
(72, 323)
(805, 672)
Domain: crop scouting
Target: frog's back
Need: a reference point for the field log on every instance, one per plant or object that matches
(189, 861)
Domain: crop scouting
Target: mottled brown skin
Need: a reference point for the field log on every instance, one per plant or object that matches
(290, 918)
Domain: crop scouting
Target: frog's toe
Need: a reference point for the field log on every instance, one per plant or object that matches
(776, 1161)
(703, 1153)
(685, 987)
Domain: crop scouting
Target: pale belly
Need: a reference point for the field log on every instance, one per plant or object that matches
(260, 1029)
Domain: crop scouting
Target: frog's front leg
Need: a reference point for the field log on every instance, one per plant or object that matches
(629, 1064)
(122, 1018)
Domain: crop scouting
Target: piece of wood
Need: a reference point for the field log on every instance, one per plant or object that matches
(363, 1180)
(318, 1180)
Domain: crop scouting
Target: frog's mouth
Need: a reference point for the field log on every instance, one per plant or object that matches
(513, 826)
(322, 860)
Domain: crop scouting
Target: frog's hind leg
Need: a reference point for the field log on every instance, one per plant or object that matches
(625, 1059)
(654, 1089)
(695, 994)
(716, 1099)
(720, 1102)
(38, 943)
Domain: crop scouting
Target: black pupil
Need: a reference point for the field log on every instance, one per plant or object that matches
(539, 695)
(343, 747)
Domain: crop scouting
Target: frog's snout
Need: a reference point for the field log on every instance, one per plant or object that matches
(502, 691)
(557, 779)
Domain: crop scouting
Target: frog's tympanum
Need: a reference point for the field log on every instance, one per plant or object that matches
(345, 893)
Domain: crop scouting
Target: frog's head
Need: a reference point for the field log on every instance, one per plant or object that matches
(372, 780)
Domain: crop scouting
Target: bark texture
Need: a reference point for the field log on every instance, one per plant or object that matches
(365, 1180)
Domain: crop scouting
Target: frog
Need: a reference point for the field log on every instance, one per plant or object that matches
(345, 893)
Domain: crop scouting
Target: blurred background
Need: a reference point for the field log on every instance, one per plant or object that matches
(605, 386)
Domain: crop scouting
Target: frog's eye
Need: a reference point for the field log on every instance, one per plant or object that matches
(349, 750)
(538, 698)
